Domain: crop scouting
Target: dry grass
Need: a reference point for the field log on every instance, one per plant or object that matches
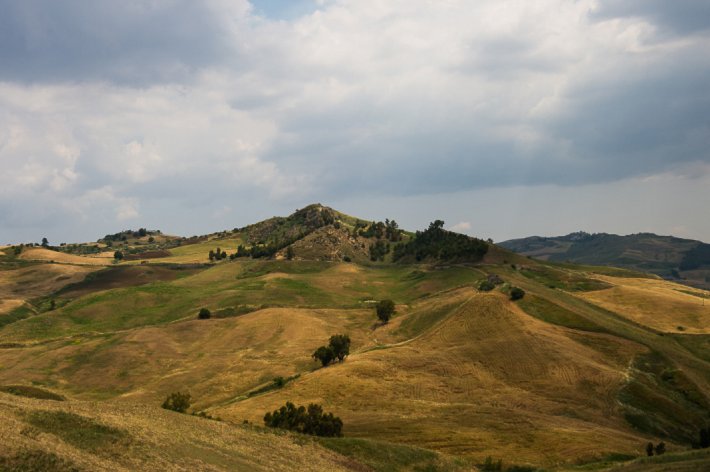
(659, 304)
(488, 380)
(46, 255)
(130, 437)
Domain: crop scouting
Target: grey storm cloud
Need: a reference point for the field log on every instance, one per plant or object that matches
(128, 42)
(678, 17)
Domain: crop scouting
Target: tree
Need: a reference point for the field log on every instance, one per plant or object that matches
(649, 449)
(204, 314)
(177, 401)
(705, 437)
(118, 255)
(324, 354)
(340, 344)
(45, 242)
(290, 253)
(52, 304)
(516, 293)
(486, 286)
(211, 255)
(385, 310)
(660, 448)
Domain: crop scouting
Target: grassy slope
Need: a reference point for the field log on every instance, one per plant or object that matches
(455, 371)
(107, 437)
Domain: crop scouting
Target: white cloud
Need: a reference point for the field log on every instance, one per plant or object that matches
(461, 227)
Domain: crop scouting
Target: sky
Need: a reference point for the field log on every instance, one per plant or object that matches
(504, 118)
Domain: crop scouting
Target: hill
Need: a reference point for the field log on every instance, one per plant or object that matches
(587, 368)
(684, 260)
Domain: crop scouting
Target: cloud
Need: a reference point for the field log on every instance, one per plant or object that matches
(183, 107)
(461, 227)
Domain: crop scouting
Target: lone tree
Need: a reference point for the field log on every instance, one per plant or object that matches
(290, 254)
(204, 314)
(324, 354)
(45, 242)
(118, 255)
(340, 344)
(660, 448)
(385, 310)
(516, 293)
(177, 401)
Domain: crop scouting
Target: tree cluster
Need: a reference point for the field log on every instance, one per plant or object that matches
(177, 401)
(378, 250)
(389, 230)
(217, 255)
(311, 420)
(338, 348)
(438, 244)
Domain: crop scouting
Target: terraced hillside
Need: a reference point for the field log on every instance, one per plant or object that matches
(589, 366)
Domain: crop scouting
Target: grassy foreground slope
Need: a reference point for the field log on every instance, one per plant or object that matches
(44, 435)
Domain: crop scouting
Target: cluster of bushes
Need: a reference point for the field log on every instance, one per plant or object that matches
(438, 244)
(124, 235)
(338, 348)
(217, 255)
(378, 250)
(659, 449)
(311, 420)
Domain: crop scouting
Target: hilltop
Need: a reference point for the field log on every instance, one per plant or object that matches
(586, 368)
(682, 260)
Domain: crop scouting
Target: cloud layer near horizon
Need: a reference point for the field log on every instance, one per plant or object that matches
(181, 114)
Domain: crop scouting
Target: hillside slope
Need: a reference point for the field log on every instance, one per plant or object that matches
(684, 260)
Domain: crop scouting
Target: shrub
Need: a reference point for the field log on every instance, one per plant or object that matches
(177, 401)
(649, 449)
(303, 420)
(118, 255)
(516, 293)
(204, 314)
(486, 286)
(385, 310)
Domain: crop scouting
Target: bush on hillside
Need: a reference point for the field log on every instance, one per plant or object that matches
(338, 348)
(204, 314)
(177, 401)
(385, 310)
(118, 255)
(486, 286)
(516, 293)
(311, 420)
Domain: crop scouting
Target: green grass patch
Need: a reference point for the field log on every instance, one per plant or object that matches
(31, 392)
(19, 313)
(388, 457)
(549, 312)
(81, 432)
(563, 279)
(421, 320)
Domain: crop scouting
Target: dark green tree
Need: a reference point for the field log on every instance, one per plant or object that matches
(204, 314)
(290, 254)
(385, 310)
(177, 401)
(705, 437)
(516, 293)
(340, 344)
(324, 354)
(118, 255)
(52, 304)
(660, 448)
(211, 255)
(45, 242)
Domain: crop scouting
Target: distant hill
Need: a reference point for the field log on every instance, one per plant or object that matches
(682, 260)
